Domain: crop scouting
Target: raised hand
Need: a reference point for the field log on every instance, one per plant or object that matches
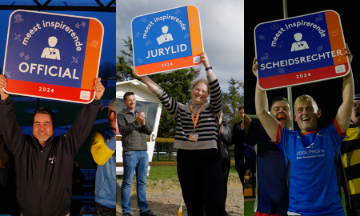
(204, 59)
(255, 67)
(3, 83)
(348, 53)
(98, 88)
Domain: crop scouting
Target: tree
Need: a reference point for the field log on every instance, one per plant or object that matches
(232, 100)
(125, 62)
(176, 83)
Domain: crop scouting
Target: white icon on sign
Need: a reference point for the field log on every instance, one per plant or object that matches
(317, 19)
(22, 54)
(320, 48)
(94, 44)
(75, 59)
(148, 43)
(274, 26)
(261, 37)
(7, 74)
(51, 52)
(17, 37)
(18, 18)
(299, 45)
(144, 20)
(281, 70)
(335, 32)
(177, 12)
(265, 57)
(165, 37)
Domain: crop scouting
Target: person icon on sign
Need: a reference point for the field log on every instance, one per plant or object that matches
(299, 45)
(165, 37)
(51, 52)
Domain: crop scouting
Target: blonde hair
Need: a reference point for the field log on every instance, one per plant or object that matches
(303, 99)
(203, 81)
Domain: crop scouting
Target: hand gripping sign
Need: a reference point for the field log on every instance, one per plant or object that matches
(167, 40)
(52, 56)
(300, 50)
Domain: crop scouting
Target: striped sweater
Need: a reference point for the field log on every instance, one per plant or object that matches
(206, 127)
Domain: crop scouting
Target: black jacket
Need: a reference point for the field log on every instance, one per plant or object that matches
(8, 202)
(44, 175)
(224, 140)
(238, 140)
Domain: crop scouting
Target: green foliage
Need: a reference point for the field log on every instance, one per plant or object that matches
(125, 62)
(232, 100)
(162, 172)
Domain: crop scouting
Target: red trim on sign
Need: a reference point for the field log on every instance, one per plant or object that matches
(291, 78)
(32, 89)
(166, 65)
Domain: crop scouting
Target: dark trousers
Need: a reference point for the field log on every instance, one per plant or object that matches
(200, 176)
(225, 164)
(352, 212)
(239, 165)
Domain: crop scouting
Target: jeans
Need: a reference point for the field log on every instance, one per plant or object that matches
(137, 161)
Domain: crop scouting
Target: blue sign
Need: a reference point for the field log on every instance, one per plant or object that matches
(50, 49)
(300, 50)
(167, 35)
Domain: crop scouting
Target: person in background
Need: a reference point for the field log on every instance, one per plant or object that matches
(224, 141)
(350, 154)
(238, 141)
(103, 145)
(8, 202)
(78, 179)
(134, 127)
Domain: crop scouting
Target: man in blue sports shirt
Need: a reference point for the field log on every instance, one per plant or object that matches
(312, 154)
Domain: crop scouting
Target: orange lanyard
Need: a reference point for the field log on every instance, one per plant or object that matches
(197, 115)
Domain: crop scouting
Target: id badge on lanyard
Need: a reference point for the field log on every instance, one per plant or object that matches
(194, 136)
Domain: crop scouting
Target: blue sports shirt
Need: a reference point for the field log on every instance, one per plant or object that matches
(314, 176)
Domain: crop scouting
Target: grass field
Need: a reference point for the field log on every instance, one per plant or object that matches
(166, 172)
(65, 115)
(249, 206)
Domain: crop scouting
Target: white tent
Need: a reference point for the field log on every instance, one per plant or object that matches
(146, 102)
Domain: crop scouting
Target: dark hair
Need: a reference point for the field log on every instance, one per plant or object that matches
(279, 99)
(47, 111)
(241, 107)
(127, 94)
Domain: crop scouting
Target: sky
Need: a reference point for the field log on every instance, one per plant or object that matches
(222, 24)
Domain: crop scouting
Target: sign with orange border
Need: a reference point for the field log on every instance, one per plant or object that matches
(167, 40)
(300, 50)
(52, 56)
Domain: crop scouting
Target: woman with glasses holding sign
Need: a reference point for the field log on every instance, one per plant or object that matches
(198, 163)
